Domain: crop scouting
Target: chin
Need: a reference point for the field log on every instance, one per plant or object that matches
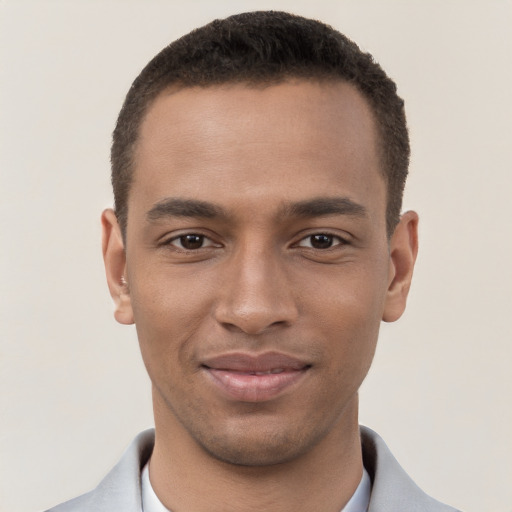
(242, 454)
(260, 448)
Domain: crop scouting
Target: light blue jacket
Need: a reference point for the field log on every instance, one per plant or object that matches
(392, 489)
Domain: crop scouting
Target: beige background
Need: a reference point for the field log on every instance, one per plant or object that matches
(73, 391)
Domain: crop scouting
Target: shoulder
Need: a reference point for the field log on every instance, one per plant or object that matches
(392, 489)
(120, 489)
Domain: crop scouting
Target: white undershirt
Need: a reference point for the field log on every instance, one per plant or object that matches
(358, 503)
(150, 501)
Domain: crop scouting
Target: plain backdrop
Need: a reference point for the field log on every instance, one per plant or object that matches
(73, 390)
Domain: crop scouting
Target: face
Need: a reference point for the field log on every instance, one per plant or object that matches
(258, 265)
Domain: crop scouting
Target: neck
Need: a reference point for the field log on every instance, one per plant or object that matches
(185, 477)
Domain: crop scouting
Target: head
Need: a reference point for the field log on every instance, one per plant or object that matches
(255, 170)
(261, 49)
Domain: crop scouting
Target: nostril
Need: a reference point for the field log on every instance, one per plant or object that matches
(254, 326)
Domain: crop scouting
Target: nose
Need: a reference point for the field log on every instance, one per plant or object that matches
(256, 295)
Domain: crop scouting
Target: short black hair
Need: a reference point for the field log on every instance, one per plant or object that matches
(265, 48)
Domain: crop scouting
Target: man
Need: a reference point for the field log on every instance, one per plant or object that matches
(258, 166)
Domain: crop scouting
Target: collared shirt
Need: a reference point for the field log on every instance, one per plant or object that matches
(358, 503)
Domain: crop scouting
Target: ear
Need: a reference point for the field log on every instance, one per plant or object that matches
(403, 250)
(114, 257)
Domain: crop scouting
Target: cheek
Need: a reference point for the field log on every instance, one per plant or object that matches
(170, 307)
(167, 298)
(347, 310)
(350, 295)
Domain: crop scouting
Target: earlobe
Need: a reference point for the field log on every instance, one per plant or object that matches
(114, 257)
(403, 252)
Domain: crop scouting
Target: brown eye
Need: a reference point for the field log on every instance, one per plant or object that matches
(321, 241)
(190, 241)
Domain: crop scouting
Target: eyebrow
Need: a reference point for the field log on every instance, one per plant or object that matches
(173, 207)
(316, 207)
(324, 206)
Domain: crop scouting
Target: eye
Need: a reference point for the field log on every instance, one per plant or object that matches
(321, 241)
(191, 241)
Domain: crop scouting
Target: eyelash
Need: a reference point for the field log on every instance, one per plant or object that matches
(181, 238)
(333, 240)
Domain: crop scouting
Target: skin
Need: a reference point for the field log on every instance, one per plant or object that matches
(275, 269)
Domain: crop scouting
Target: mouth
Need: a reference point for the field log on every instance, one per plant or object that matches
(254, 378)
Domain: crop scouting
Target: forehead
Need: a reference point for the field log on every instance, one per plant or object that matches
(284, 140)
(319, 107)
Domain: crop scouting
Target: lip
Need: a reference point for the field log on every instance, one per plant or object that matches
(254, 378)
